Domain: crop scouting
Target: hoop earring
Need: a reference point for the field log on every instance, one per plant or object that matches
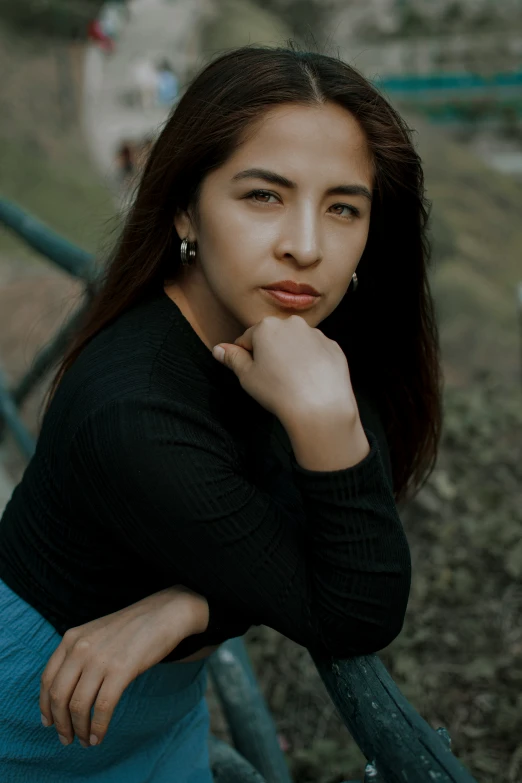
(355, 281)
(187, 252)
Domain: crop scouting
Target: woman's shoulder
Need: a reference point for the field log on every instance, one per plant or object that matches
(145, 435)
(125, 365)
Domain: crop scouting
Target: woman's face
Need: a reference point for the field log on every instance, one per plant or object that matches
(291, 203)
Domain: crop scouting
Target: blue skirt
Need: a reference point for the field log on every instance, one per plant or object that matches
(158, 733)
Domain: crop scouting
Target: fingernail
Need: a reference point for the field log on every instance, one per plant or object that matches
(218, 353)
(63, 739)
(44, 720)
(83, 744)
(93, 739)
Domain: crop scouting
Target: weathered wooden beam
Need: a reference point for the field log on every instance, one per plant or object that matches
(228, 766)
(388, 730)
(250, 722)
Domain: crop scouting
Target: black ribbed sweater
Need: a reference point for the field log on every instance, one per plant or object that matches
(154, 468)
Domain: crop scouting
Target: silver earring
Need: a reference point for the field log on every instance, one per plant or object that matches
(187, 252)
(355, 281)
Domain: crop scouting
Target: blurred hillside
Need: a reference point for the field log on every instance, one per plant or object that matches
(477, 255)
(399, 18)
(44, 162)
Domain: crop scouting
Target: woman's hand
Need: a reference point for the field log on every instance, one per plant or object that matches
(94, 663)
(291, 369)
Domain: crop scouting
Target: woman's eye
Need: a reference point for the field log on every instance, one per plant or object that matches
(260, 196)
(263, 196)
(352, 211)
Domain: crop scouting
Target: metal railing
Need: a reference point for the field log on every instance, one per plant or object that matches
(399, 745)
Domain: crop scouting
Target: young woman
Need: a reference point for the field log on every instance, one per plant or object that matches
(181, 493)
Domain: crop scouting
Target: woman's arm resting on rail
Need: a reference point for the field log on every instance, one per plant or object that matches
(332, 575)
(94, 662)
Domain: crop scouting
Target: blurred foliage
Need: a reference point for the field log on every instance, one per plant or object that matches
(50, 18)
(460, 16)
(459, 657)
(414, 19)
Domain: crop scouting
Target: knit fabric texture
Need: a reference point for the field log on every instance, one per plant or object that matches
(155, 468)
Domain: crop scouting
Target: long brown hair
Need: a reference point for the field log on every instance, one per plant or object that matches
(387, 329)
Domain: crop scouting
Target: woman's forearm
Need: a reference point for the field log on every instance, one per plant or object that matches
(198, 619)
(136, 637)
(328, 442)
(195, 609)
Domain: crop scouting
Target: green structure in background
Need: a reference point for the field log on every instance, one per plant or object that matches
(399, 745)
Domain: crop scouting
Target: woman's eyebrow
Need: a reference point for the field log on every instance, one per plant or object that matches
(278, 179)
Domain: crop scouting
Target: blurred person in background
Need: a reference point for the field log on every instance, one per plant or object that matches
(106, 27)
(255, 386)
(112, 17)
(168, 84)
(96, 34)
(125, 161)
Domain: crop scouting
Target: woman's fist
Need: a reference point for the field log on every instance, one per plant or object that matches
(291, 369)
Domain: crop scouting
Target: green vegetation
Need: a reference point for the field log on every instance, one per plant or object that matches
(416, 20)
(456, 17)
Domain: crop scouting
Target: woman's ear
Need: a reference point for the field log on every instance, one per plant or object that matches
(183, 225)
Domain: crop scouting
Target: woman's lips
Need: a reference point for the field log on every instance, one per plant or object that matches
(292, 301)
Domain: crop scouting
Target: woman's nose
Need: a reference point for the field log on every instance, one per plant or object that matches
(300, 238)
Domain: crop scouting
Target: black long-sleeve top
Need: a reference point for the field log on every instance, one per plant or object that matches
(155, 468)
